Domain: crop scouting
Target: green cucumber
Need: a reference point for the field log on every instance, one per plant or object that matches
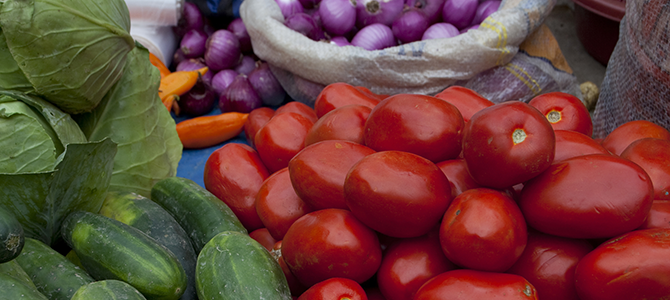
(149, 217)
(109, 249)
(11, 236)
(13, 288)
(232, 265)
(12, 268)
(53, 275)
(198, 211)
(109, 289)
(72, 257)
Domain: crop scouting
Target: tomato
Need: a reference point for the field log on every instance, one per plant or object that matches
(397, 193)
(483, 229)
(234, 173)
(549, 263)
(466, 100)
(331, 243)
(589, 196)
(419, 124)
(659, 215)
(340, 94)
(299, 108)
(294, 285)
(342, 123)
(335, 289)
(508, 143)
(368, 92)
(471, 284)
(653, 155)
(277, 204)
(572, 144)
(622, 136)
(457, 172)
(281, 138)
(564, 112)
(318, 172)
(409, 263)
(632, 266)
(263, 237)
(256, 119)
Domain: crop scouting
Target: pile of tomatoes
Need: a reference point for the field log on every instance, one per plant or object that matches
(451, 197)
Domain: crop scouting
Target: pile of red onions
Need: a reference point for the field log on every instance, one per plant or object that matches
(237, 80)
(377, 24)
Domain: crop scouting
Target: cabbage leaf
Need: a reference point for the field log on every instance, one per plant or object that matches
(11, 77)
(133, 116)
(71, 51)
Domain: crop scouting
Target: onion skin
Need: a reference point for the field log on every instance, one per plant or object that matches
(198, 101)
(193, 64)
(485, 9)
(306, 25)
(459, 13)
(191, 18)
(431, 8)
(193, 43)
(289, 7)
(246, 65)
(378, 11)
(374, 37)
(239, 96)
(440, 31)
(340, 41)
(338, 16)
(266, 85)
(238, 28)
(222, 79)
(222, 50)
(410, 26)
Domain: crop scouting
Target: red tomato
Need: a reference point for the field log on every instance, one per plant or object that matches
(299, 108)
(281, 138)
(549, 263)
(508, 143)
(340, 94)
(278, 205)
(457, 172)
(234, 173)
(659, 215)
(409, 263)
(263, 237)
(589, 196)
(397, 193)
(419, 124)
(632, 266)
(564, 112)
(622, 136)
(342, 123)
(335, 289)
(294, 285)
(331, 243)
(471, 284)
(256, 119)
(653, 155)
(368, 92)
(466, 100)
(318, 172)
(484, 230)
(571, 144)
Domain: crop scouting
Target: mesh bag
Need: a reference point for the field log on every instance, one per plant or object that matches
(304, 67)
(637, 81)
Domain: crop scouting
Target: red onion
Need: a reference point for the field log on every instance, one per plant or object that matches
(339, 41)
(246, 65)
(409, 27)
(222, 79)
(374, 37)
(431, 8)
(193, 43)
(378, 11)
(222, 50)
(338, 16)
(192, 64)
(199, 100)
(266, 85)
(485, 9)
(308, 4)
(459, 13)
(306, 25)
(238, 28)
(239, 96)
(191, 18)
(177, 57)
(289, 7)
(440, 31)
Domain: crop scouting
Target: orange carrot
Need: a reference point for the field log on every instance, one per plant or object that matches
(159, 64)
(179, 83)
(207, 131)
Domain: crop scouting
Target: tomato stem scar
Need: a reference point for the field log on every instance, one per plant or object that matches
(554, 116)
(518, 136)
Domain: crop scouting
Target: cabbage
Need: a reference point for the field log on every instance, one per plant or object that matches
(71, 51)
(11, 77)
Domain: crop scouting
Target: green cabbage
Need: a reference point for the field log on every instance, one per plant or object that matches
(11, 77)
(71, 51)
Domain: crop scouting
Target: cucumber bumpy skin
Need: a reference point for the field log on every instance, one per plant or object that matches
(108, 290)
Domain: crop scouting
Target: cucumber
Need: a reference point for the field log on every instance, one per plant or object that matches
(13, 288)
(13, 269)
(11, 235)
(53, 275)
(232, 265)
(72, 257)
(198, 211)
(149, 217)
(109, 249)
(109, 289)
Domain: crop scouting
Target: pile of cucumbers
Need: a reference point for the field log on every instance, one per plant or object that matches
(182, 243)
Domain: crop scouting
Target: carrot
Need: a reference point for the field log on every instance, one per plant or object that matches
(207, 131)
(159, 64)
(170, 103)
(179, 82)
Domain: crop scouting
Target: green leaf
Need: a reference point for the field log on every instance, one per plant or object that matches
(133, 116)
(41, 201)
(11, 77)
(72, 51)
